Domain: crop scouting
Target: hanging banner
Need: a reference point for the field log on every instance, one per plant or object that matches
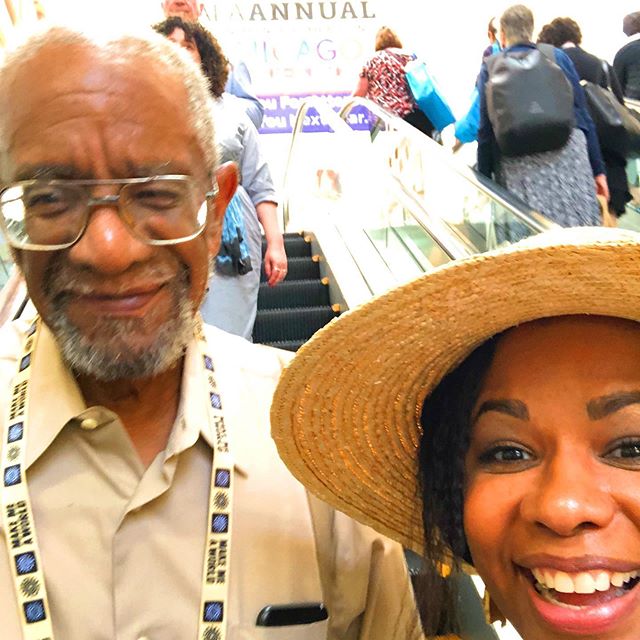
(295, 50)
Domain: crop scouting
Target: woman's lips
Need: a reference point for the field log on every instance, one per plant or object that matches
(583, 614)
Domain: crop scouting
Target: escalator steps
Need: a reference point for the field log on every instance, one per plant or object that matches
(297, 293)
(298, 269)
(299, 323)
(295, 245)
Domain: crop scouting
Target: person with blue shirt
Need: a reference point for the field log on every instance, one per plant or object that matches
(558, 183)
(466, 128)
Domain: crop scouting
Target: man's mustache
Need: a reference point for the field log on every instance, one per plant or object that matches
(64, 281)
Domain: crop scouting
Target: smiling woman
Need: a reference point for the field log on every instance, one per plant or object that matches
(494, 428)
(550, 438)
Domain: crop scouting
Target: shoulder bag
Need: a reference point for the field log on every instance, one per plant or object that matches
(618, 127)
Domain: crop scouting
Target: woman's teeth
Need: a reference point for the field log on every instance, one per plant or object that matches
(584, 581)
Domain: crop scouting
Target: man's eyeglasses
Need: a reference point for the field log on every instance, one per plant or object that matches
(45, 215)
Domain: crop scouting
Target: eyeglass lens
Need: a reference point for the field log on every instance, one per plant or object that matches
(41, 213)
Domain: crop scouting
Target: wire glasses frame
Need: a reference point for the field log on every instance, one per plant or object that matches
(49, 215)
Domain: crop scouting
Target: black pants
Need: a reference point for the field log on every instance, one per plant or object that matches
(419, 120)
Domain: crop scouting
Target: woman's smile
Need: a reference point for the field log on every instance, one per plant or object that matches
(583, 602)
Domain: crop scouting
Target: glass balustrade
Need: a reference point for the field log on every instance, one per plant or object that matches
(394, 196)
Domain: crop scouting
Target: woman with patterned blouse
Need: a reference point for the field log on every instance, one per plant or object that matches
(383, 81)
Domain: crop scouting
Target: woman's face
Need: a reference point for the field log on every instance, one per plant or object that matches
(552, 494)
(178, 36)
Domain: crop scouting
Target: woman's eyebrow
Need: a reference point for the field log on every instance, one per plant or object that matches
(606, 405)
(514, 408)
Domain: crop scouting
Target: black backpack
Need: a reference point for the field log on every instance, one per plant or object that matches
(529, 101)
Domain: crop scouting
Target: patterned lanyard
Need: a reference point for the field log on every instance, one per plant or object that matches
(22, 545)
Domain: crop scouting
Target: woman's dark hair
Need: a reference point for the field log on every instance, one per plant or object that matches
(446, 425)
(548, 35)
(566, 30)
(214, 64)
(386, 38)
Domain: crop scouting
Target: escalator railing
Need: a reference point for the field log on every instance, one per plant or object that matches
(398, 202)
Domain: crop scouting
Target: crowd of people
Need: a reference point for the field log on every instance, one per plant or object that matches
(162, 478)
(561, 178)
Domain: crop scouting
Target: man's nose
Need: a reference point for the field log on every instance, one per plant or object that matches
(108, 244)
(569, 495)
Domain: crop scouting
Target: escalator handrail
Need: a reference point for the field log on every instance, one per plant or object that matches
(632, 104)
(453, 245)
(519, 209)
(446, 237)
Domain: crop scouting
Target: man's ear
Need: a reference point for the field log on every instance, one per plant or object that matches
(227, 179)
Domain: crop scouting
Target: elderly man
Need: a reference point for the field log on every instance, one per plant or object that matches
(239, 81)
(141, 494)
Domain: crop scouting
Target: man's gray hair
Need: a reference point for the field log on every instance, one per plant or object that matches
(148, 49)
(516, 24)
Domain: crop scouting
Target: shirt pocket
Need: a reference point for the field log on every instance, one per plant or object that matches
(314, 631)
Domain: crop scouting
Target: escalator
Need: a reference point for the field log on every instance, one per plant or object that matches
(291, 312)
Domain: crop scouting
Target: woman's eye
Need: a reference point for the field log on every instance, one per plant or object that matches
(505, 454)
(626, 450)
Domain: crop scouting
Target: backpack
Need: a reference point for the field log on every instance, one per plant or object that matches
(529, 101)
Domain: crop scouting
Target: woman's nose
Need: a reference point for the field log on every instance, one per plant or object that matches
(569, 495)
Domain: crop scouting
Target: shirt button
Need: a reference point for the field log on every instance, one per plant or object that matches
(88, 424)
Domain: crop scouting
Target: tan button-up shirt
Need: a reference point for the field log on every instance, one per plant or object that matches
(122, 546)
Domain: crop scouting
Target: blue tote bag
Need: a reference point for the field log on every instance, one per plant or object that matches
(233, 257)
(467, 127)
(427, 95)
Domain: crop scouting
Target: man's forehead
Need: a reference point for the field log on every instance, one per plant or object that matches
(182, 6)
(77, 60)
(78, 69)
(75, 106)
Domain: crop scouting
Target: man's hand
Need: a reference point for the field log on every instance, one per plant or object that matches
(275, 264)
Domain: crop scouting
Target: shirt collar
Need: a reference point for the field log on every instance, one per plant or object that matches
(634, 37)
(55, 398)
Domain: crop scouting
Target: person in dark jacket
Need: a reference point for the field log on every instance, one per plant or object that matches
(559, 183)
(565, 33)
(627, 61)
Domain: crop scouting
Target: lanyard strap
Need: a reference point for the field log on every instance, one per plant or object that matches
(22, 545)
(215, 573)
(24, 553)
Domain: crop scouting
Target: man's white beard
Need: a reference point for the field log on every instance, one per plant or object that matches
(111, 356)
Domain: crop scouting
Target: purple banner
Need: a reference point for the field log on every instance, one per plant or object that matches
(280, 113)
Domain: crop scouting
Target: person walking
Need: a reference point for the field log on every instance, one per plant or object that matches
(565, 34)
(559, 183)
(626, 62)
(383, 81)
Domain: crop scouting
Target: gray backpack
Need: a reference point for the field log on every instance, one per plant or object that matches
(529, 101)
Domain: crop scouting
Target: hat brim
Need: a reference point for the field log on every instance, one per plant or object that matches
(345, 415)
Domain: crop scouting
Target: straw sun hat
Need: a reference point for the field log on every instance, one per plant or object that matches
(345, 416)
